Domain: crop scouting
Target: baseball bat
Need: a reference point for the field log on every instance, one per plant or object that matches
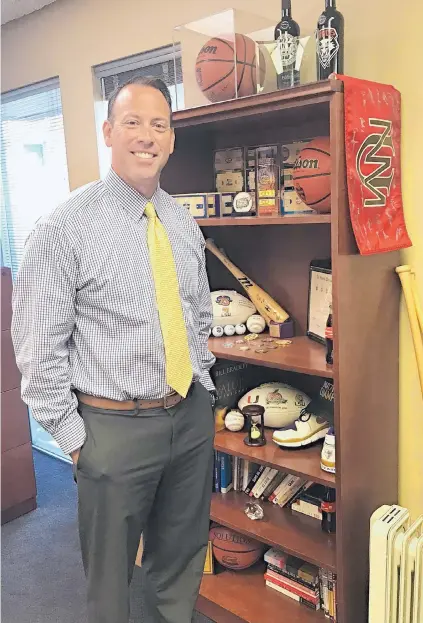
(414, 315)
(265, 304)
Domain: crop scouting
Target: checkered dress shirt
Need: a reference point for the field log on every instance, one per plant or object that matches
(84, 309)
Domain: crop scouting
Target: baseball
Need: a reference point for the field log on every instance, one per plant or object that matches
(240, 329)
(234, 421)
(229, 329)
(217, 331)
(256, 323)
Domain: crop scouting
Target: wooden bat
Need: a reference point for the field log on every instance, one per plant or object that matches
(415, 315)
(266, 306)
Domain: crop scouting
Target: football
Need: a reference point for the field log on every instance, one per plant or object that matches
(282, 403)
(229, 307)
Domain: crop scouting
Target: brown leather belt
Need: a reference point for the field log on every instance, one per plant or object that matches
(171, 400)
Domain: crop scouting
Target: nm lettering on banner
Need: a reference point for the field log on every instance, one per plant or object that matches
(373, 160)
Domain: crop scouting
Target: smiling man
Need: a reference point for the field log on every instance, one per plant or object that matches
(112, 311)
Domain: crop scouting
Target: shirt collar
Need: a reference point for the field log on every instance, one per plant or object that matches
(132, 200)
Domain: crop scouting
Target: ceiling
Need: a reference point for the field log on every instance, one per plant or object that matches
(13, 9)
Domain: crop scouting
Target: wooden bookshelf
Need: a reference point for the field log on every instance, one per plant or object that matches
(254, 221)
(366, 295)
(235, 596)
(280, 528)
(303, 355)
(299, 461)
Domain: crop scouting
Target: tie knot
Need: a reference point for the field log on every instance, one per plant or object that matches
(150, 210)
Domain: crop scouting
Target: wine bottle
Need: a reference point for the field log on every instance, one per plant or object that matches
(330, 42)
(287, 34)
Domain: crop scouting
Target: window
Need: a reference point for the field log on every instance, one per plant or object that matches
(34, 180)
(164, 63)
(34, 173)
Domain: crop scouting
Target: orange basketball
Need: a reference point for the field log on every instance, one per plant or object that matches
(234, 550)
(312, 174)
(215, 68)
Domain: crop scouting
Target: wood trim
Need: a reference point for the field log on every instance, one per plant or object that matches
(312, 93)
(254, 221)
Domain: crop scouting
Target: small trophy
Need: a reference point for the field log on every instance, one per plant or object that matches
(255, 427)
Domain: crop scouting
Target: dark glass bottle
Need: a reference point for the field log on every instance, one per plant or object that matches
(329, 338)
(330, 42)
(287, 33)
(328, 508)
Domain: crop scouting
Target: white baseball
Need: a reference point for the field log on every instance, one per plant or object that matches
(229, 329)
(256, 323)
(217, 331)
(234, 421)
(240, 329)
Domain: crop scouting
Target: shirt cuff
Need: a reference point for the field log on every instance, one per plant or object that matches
(71, 435)
(205, 379)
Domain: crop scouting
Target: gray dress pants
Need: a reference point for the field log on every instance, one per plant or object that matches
(146, 471)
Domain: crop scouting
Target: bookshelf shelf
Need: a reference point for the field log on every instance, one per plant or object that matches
(254, 221)
(303, 355)
(235, 596)
(301, 462)
(279, 528)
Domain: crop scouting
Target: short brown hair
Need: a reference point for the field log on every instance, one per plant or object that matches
(148, 81)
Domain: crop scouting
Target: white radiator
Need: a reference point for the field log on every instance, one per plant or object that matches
(396, 566)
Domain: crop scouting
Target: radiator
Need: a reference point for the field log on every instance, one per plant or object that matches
(396, 566)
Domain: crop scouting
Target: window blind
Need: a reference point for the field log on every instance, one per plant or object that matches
(34, 173)
(164, 63)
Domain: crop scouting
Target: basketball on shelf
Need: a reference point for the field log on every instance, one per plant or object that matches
(312, 174)
(215, 67)
(234, 550)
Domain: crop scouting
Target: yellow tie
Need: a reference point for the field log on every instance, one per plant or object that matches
(175, 338)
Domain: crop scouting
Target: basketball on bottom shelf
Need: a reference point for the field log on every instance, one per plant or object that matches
(234, 550)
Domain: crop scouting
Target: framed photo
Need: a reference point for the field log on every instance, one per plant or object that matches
(319, 299)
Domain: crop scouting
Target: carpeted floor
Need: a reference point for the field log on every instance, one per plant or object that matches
(42, 575)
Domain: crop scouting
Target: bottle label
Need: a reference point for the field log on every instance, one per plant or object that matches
(328, 507)
(327, 45)
(287, 47)
(329, 333)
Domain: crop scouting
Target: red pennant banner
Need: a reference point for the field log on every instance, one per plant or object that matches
(373, 155)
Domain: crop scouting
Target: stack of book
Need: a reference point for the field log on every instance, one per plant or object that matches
(293, 577)
(257, 481)
(301, 581)
(309, 501)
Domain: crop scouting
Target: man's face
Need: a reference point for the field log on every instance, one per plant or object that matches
(140, 136)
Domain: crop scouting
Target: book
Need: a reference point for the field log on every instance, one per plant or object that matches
(311, 595)
(307, 508)
(296, 568)
(225, 472)
(254, 478)
(288, 593)
(314, 585)
(288, 487)
(216, 472)
(275, 482)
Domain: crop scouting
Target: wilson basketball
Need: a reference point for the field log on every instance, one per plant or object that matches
(234, 550)
(312, 174)
(215, 68)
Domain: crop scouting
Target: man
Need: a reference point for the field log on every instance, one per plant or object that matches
(112, 310)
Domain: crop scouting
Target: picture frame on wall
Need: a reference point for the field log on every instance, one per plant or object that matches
(319, 298)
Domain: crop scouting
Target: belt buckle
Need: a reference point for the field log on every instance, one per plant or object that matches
(166, 397)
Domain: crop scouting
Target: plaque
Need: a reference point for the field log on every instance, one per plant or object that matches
(319, 299)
